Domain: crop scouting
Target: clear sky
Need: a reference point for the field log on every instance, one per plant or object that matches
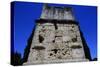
(25, 14)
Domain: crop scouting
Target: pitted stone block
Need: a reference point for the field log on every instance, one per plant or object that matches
(56, 40)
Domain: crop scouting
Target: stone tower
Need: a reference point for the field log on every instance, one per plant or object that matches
(57, 38)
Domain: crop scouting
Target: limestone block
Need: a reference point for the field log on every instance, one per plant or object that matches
(59, 33)
(50, 46)
(58, 39)
(77, 53)
(66, 38)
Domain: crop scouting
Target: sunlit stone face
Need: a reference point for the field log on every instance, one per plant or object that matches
(56, 41)
(63, 13)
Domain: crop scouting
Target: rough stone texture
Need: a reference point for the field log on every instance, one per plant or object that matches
(59, 13)
(54, 41)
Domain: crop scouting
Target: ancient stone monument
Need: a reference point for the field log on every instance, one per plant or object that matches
(56, 38)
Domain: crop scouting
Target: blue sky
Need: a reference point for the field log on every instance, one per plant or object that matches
(25, 14)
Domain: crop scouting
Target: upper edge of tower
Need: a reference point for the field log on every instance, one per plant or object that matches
(59, 7)
(57, 12)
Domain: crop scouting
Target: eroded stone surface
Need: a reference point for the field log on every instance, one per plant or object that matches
(56, 42)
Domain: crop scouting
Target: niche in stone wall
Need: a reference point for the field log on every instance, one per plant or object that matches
(41, 38)
(76, 46)
(74, 39)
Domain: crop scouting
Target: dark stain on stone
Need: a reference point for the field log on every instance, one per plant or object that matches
(36, 58)
(63, 53)
(56, 27)
(74, 39)
(72, 26)
(38, 47)
(41, 38)
(53, 41)
(51, 54)
(59, 57)
(75, 47)
(55, 50)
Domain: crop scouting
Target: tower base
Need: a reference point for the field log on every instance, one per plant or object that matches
(55, 61)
